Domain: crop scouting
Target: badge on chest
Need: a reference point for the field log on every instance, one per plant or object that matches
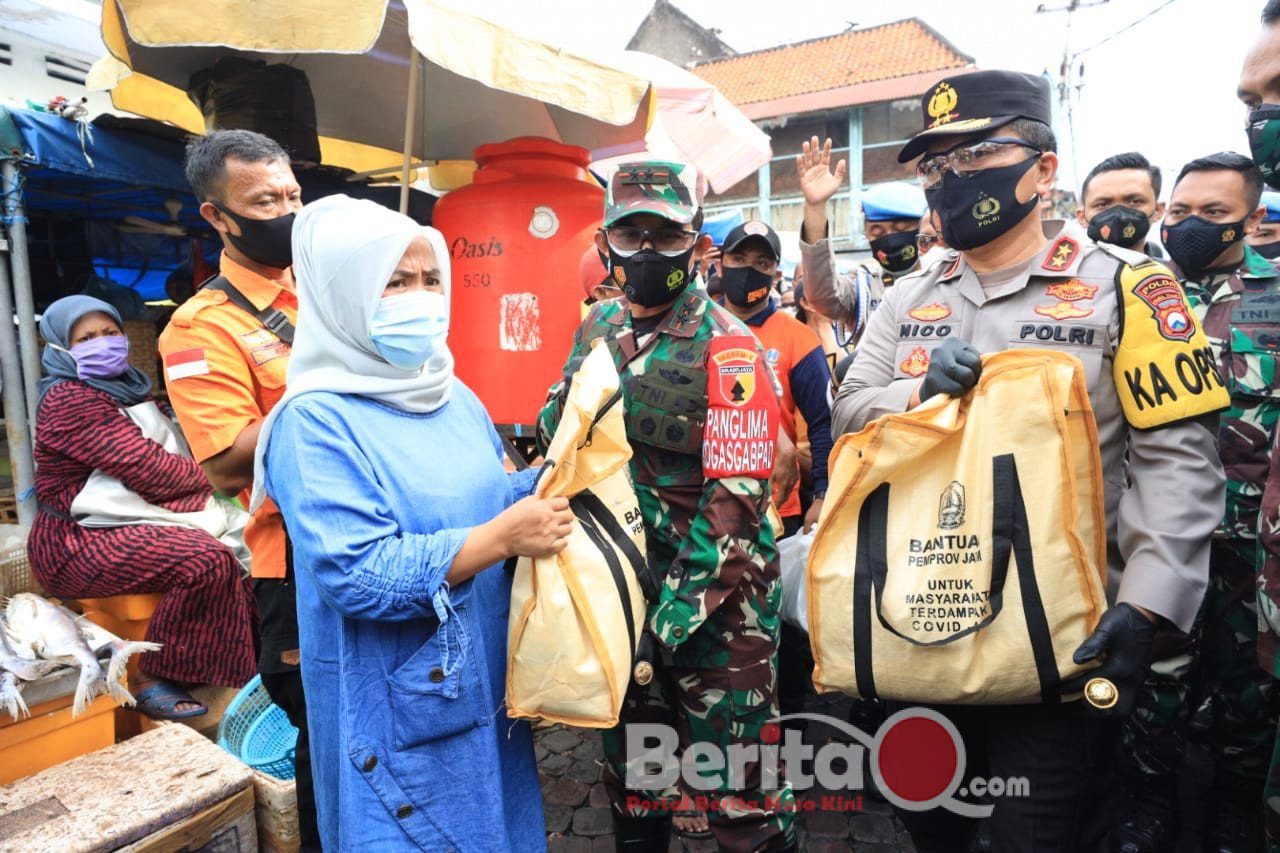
(741, 430)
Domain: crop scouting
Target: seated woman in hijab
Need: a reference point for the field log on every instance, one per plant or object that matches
(389, 475)
(205, 620)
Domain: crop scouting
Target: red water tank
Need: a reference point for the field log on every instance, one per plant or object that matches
(515, 238)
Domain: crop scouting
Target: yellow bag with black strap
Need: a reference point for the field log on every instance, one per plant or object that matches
(576, 618)
(961, 553)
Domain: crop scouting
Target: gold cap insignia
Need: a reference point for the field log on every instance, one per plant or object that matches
(942, 103)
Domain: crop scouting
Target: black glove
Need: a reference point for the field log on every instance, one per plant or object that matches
(954, 367)
(1125, 635)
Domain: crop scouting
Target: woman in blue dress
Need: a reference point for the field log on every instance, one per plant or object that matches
(400, 515)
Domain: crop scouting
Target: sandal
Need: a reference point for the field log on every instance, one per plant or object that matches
(696, 834)
(160, 702)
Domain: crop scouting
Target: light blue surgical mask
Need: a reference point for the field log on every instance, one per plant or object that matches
(410, 328)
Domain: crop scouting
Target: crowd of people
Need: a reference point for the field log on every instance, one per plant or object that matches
(312, 381)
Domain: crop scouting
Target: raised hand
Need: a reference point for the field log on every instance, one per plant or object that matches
(817, 181)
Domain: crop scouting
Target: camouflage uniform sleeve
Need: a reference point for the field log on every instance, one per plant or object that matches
(549, 417)
(1269, 567)
(728, 539)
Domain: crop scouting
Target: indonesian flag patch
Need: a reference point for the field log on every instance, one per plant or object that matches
(185, 363)
(741, 433)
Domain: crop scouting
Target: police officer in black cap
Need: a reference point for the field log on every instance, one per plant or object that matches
(1010, 280)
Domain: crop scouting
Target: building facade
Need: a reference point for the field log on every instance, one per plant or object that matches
(860, 88)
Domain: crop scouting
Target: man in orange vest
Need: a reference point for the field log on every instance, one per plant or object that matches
(225, 351)
(748, 273)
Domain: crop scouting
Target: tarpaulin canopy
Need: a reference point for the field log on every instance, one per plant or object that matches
(693, 123)
(479, 82)
(113, 173)
(133, 167)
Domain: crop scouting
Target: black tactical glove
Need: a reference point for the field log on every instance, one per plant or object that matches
(1125, 635)
(954, 367)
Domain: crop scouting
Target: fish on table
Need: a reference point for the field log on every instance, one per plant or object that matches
(42, 631)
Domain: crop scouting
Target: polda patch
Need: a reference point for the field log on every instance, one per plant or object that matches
(1163, 295)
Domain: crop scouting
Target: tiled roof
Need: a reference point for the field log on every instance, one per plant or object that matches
(860, 56)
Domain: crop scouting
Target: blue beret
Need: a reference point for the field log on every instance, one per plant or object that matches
(1271, 201)
(893, 201)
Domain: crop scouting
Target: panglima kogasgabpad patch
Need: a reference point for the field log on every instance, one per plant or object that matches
(741, 432)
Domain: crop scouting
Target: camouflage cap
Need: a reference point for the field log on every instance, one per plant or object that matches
(660, 187)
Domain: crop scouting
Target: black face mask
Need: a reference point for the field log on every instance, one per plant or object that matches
(745, 287)
(977, 209)
(1119, 226)
(649, 278)
(896, 252)
(1270, 251)
(267, 241)
(1194, 243)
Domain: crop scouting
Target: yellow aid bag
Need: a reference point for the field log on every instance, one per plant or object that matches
(576, 617)
(961, 553)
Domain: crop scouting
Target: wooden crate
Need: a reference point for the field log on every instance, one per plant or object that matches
(166, 790)
(50, 736)
(225, 827)
(277, 807)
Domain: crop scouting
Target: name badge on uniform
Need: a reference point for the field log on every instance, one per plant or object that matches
(741, 431)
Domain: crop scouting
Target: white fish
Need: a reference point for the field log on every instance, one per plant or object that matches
(121, 651)
(15, 668)
(26, 667)
(54, 635)
(11, 697)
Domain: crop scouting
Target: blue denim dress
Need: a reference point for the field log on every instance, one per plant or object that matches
(405, 677)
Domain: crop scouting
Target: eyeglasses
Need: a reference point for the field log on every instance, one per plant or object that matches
(627, 240)
(925, 242)
(967, 158)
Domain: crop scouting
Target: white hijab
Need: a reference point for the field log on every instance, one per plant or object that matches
(344, 252)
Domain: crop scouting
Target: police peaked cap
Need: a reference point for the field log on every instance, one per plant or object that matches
(978, 101)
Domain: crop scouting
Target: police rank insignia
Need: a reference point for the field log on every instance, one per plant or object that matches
(916, 363)
(930, 313)
(1061, 255)
(1163, 296)
(1063, 311)
(1072, 290)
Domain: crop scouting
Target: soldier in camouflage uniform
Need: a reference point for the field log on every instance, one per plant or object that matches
(714, 591)
(1208, 677)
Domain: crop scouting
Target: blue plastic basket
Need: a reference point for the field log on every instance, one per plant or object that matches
(258, 732)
